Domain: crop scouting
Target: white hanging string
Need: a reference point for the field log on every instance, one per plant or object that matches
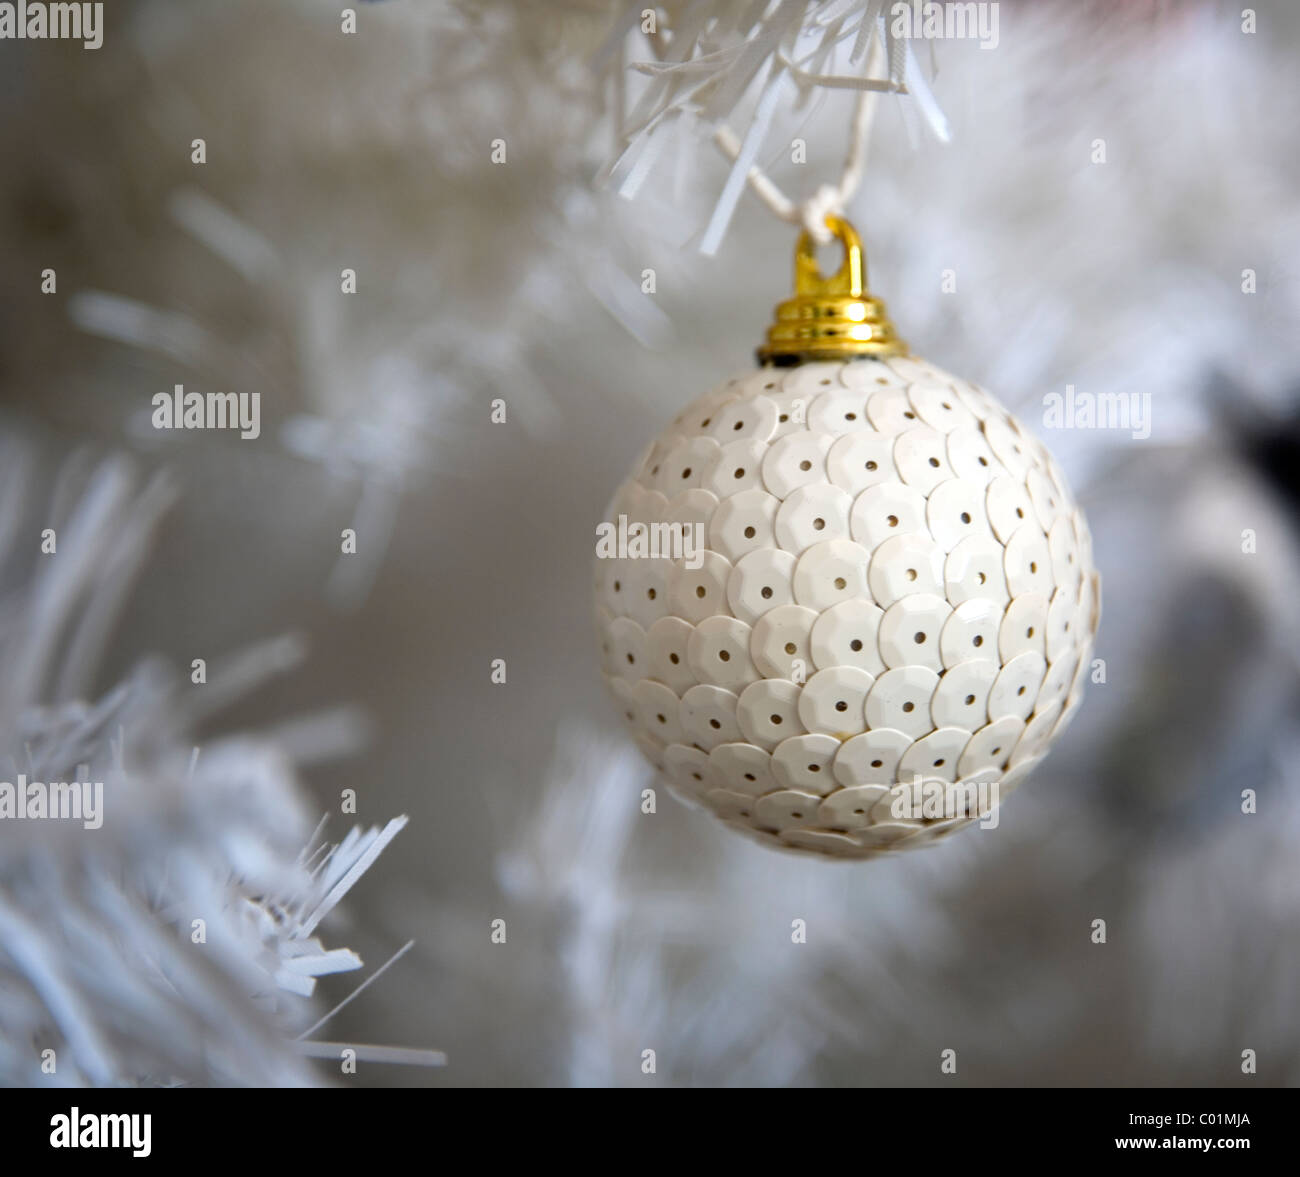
(829, 199)
(702, 74)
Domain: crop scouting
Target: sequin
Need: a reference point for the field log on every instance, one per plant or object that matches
(885, 511)
(812, 514)
(859, 460)
(708, 716)
(833, 701)
(718, 652)
(780, 642)
(845, 635)
(921, 456)
(830, 572)
(910, 630)
(760, 581)
(804, 762)
(768, 712)
(871, 758)
(900, 699)
(798, 459)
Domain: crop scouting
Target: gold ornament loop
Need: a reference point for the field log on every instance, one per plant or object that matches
(830, 318)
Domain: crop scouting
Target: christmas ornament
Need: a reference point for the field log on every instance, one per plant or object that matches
(846, 601)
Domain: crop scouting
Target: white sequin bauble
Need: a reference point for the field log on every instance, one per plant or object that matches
(896, 588)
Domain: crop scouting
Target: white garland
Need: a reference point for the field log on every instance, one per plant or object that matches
(708, 58)
(172, 939)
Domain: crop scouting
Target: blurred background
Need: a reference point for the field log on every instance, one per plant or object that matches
(521, 279)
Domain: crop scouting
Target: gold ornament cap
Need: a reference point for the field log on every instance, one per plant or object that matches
(831, 318)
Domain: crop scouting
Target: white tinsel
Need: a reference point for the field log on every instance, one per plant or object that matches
(713, 62)
(174, 941)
